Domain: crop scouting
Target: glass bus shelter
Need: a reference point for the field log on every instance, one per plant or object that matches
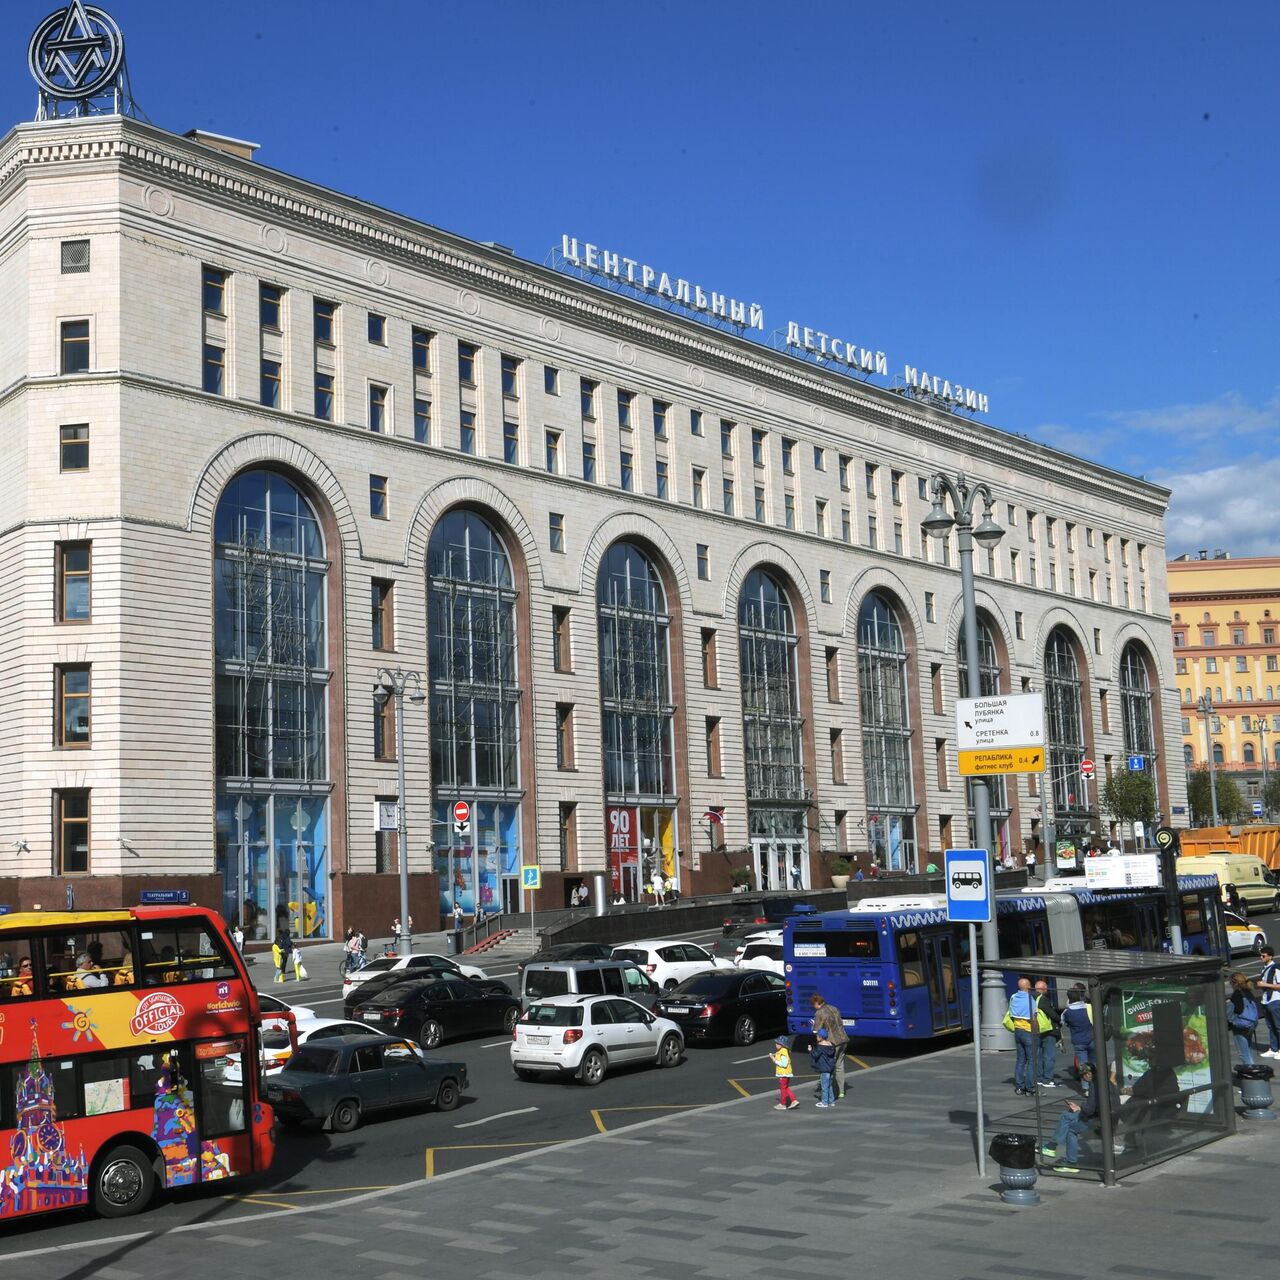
(1160, 1038)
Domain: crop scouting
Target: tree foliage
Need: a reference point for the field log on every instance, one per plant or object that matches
(1130, 797)
(1231, 802)
(1271, 796)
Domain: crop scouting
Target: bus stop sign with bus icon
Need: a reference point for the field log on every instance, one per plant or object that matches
(968, 878)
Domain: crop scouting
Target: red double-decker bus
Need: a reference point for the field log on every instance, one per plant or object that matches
(128, 1059)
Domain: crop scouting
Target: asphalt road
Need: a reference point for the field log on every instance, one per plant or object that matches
(498, 1115)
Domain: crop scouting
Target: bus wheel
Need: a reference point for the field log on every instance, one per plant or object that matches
(123, 1183)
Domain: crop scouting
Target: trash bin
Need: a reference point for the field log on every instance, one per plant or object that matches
(1255, 1090)
(1015, 1153)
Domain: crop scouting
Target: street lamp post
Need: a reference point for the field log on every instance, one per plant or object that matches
(987, 534)
(1263, 729)
(1205, 708)
(394, 684)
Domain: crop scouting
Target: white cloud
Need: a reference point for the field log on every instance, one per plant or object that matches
(1232, 507)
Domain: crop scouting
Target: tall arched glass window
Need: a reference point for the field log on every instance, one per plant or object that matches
(1065, 716)
(637, 719)
(772, 733)
(1189, 755)
(886, 735)
(475, 711)
(1247, 753)
(1218, 757)
(1135, 704)
(271, 757)
(989, 685)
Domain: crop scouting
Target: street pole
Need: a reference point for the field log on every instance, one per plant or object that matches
(1205, 708)
(938, 524)
(392, 684)
(1262, 751)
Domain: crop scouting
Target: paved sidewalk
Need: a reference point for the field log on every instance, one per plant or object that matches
(885, 1184)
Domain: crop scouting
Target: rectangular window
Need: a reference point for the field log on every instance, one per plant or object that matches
(71, 831)
(510, 377)
(377, 408)
(381, 598)
(75, 257)
(467, 363)
(789, 510)
(269, 383)
(710, 674)
(589, 461)
(845, 464)
(75, 346)
(553, 452)
(704, 561)
(270, 301)
(212, 367)
(1031, 525)
(384, 726)
(728, 496)
(511, 442)
(1106, 548)
(788, 457)
(421, 346)
(661, 476)
(757, 447)
(568, 835)
(588, 392)
(940, 764)
(895, 488)
(1209, 639)
(930, 613)
(1242, 663)
(1272, 662)
(324, 396)
(935, 686)
(695, 422)
(660, 408)
(1097, 640)
(726, 438)
(1010, 515)
(1186, 724)
(1071, 536)
(550, 380)
(72, 697)
(846, 525)
(564, 735)
(467, 431)
(1093, 584)
(1211, 665)
(1268, 635)
(378, 497)
(837, 757)
(898, 544)
(870, 479)
(1050, 524)
(873, 533)
(833, 673)
(556, 528)
(759, 502)
(713, 747)
(1013, 565)
(699, 486)
(421, 420)
(922, 488)
(625, 400)
(73, 448)
(560, 639)
(377, 329)
(1053, 576)
(213, 291)
(74, 566)
(324, 315)
(625, 474)
(824, 585)
(819, 458)
(1237, 636)
(1180, 666)
(1018, 628)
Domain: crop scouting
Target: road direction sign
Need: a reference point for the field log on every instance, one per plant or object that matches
(1137, 764)
(462, 828)
(1086, 768)
(1016, 720)
(968, 880)
(531, 877)
(461, 811)
(977, 764)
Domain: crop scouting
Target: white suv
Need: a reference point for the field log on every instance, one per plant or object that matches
(586, 1035)
(669, 962)
(765, 935)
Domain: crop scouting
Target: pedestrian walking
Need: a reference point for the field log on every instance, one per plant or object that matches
(1076, 1118)
(827, 1017)
(659, 889)
(1269, 984)
(457, 928)
(395, 932)
(824, 1063)
(1242, 1016)
(299, 969)
(1022, 1021)
(1077, 1017)
(1048, 1039)
(1030, 859)
(281, 951)
(237, 936)
(781, 1059)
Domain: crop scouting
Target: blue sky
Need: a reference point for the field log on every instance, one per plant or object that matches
(1072, 209)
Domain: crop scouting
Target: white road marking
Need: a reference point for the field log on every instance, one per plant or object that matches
(493, 1044)
(760, 1057)
(502, 1115)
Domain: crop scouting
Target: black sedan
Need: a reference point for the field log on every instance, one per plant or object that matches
(375, 986)
(343, 1079)
(570, 951)
(434, 1011)
(727, 1004)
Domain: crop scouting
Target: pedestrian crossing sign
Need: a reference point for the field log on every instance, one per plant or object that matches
(531, 877)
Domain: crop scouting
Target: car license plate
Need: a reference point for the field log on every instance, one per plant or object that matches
(678, 1008)
(538, 1039)
(273, 1092)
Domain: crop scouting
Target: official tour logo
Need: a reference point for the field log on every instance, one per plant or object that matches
(157, 1013)
(76, 52)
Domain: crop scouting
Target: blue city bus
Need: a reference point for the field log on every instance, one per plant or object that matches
(897, 968)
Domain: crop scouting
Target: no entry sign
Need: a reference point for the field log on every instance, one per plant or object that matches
(462, 811)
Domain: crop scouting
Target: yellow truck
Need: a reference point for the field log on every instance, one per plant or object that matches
(1246, 857)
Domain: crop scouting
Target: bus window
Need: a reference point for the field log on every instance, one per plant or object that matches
(1192, 916)
(836, 944)
(17, 979)
(88, 959)
(966, 965)
(219, 1077)
(61, 1073)
(106, 1085)
(184, 951)
(909, 957)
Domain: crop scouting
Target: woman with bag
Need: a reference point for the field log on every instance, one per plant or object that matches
(1242, 1016)
(299, 970)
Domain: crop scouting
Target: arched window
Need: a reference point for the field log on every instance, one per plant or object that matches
(475, 710)
(1135, 704)
(1188, 755)
(886, 734)
(1247, 752)
(1218, 757)
(1063, 711)
(771, 728)
(272, 758)
(637, 718)
(989, 685)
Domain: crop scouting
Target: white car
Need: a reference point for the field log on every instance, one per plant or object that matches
(764, 955)
(277, 1048)
(585, 1036)
(765, 935)
(668, 961)
(419, 964)
(1242, 936)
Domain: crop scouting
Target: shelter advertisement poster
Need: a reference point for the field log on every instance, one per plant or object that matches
(1065, 855)
(1162, 1030)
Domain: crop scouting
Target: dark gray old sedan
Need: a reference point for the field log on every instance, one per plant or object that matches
(343, 1079)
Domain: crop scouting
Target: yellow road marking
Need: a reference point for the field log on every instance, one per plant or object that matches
(266, 1204)
(866, 1066)
(666, 1106)
(485, 1146)
(739, 1088)
(323, 1191)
